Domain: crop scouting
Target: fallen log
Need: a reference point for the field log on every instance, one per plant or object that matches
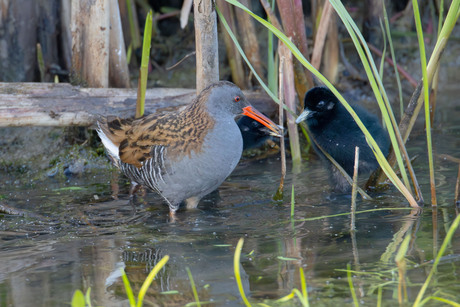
(61, 104)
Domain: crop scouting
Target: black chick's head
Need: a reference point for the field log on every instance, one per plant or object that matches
(320, 105)
(254, 133)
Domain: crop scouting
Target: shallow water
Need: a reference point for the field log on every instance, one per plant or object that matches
(75, 236)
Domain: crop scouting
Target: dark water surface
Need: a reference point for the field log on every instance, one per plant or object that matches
(80, 237)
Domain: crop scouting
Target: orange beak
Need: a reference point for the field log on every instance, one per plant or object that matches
(264, 120)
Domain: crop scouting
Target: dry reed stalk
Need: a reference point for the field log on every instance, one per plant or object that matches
(118, 66)
(234, 58)
(321, 33)
(248, 35)
(290, 99)
(331, 51)
(354, 189)
(279, 193)
(294, 26)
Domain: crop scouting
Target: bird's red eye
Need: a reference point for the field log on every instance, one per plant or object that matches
(237, 98)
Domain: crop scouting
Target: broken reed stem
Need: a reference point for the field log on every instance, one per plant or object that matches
(41, 62)
(434, 223)
(354, 189)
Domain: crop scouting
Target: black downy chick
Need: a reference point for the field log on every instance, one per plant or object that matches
(254, 133)
(335, 130)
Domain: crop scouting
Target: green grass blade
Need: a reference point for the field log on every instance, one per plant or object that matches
(426, 94)
(384, 52)
(236, 269)
(444, 300)
(88, 297)
(447, 240)
(352, 287)
(393, 57)
(148, 281)
(135, 40)
(78, 299)
(303, 285)
(272, 74)
(441, 16)
(292, 202)
(129, 290)
(192, 284)
(379, 297)
(286, 298)
(347, 213)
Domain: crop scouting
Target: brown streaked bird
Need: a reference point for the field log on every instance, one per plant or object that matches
(187, 154)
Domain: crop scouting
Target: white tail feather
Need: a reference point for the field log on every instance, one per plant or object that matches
(111, 148)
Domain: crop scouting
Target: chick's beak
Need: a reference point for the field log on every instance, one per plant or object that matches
(251, 112)
(304, 115)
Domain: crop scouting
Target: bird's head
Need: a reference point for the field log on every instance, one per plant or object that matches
(320, 105)
(225, 98)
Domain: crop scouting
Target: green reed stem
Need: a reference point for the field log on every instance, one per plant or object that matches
(135, 39)
(384, 52)
(393, 57)
(303, 285)
(143, 74)
(379, 296)
(426, 94)
(272, 74)
(236, 270)
(352, 287)
(192, 284)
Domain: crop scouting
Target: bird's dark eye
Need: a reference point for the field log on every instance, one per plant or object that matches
(237, 98)
(321, 104)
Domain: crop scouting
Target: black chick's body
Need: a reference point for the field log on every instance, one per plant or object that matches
(335, 130)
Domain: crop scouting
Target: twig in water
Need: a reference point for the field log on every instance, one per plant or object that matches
(354, 189)
(181, 60)
(457, 188)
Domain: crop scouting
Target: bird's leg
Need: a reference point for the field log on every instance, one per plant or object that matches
(192, 202)
(172, 212)
(172, 216)
(134, 188)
